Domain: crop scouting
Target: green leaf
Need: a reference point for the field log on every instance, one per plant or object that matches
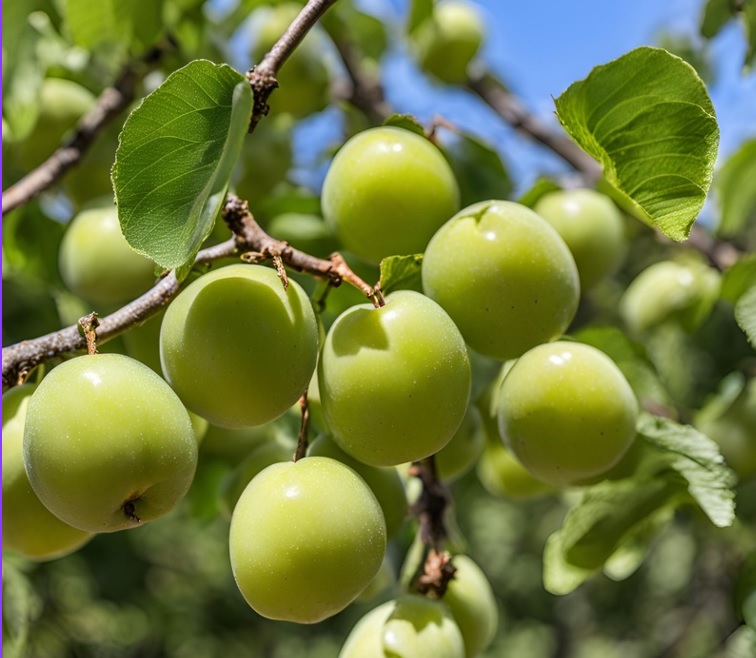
(400, 272)
(176, 155)
(697, 459)
(478, 169)
(739, 278)
(20, 605)
(749, 16)
(745, 314)
(543, 185)
(31, 242)
(419, 11)
(133, 23)
(735, 192)
(609, 514)
(715, 16)
(407, 122)
(23, 75)
(647, 118)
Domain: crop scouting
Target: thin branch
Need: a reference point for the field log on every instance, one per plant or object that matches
(20, 359)
(366, 92)
(509, 108)
(111, 102)
(262, 78)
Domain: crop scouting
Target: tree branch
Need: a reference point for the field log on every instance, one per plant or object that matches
(509, 108)
(20, 359)
(262, 77)
(109, 104)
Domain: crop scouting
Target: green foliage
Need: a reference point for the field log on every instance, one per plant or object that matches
(648, 119)
(165, 179)
(733, 191)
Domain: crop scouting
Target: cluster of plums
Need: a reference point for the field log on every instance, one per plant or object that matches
(104, 443)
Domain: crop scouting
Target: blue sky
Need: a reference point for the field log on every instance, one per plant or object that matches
(540, 48)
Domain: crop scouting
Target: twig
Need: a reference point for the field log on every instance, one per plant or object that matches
(109, 104)
(262, 78)
(20, 359)
(304, 425)
(430, 508)
(509, 108)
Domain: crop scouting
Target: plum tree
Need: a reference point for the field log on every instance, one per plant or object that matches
(514, 284)
(567, 412)
(237, 348)
(306, 538)
(386, 192)
(125, 437)
(417, 392)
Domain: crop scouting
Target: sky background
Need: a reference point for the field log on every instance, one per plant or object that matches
(539, 49)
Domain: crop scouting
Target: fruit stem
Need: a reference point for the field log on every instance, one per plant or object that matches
(437, 568)
(304, 425)
(89, 324)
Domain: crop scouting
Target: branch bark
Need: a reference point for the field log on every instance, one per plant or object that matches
(262, 78)
(20, 359)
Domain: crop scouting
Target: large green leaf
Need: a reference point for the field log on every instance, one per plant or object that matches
(175, 158)
(735, 191)
(647, 118)
(697, 459)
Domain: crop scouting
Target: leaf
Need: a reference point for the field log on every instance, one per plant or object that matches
(128, 24)
(542, 186)
(739, 278)
(648, 119)
(715, 16)
(608, 514)
(406, 121)
(175, 158)
(400, 272)
(478, 169)
(20, 605)
(735, 192)
(749, 15)
(745, 314)
(697, 459)
(23, 75)
(31, 242)
(419, 12)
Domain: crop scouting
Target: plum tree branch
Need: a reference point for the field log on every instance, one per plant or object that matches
(262, 77)
(21, 358)
(110, 103)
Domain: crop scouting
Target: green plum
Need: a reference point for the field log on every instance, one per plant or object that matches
(108, 444)
(394, 381)
(237, 348)
(464, 449)
(97, 263)
(386, 192)
(505, 277)
(408, 627)
(683, 293)
(567, 412)
(62, 103)
(472, 603)
(385, 483)
(29, 528)
(593, 228)
(306, 538)
(447, 41)
(259, 458)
